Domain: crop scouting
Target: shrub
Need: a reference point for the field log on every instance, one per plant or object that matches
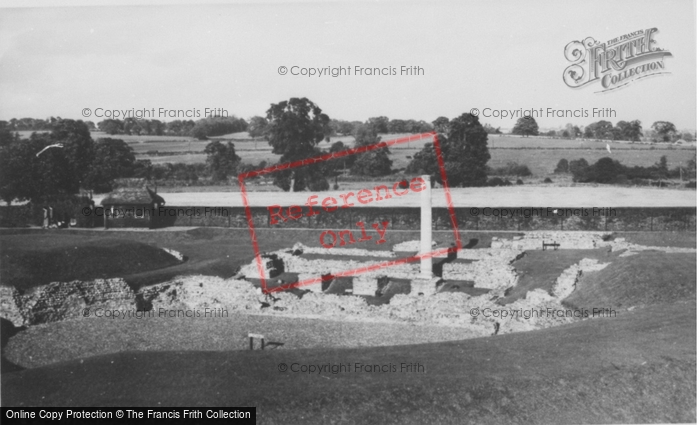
(519, 182)
(605, 170)
(495, 182)
(562, 166)
(548, 180)
(691, 185)
(579, 169)
(318, 185)
(374, 163)
(512, 169)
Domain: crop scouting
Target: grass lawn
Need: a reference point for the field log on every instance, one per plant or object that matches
(38, 259)
(648, 278)
(637, 367)
(86, 337)
(540, 269)
(674, 239)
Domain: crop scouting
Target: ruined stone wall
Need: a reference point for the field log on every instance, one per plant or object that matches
(63, 300)
(626, 219)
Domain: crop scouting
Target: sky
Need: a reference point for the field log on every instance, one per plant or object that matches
(505, 55)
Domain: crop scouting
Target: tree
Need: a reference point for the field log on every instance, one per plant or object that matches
(396, 126)
(16, 170)
(465, 154)
(526, 126)
(217, 126)
(629, 130)
(664, 131)
(6, 135)
(379, 124)
(295, 128)
(110, 126)
(365, 135)
(692, 167)
(222, 160)
(562, 166)
(78, 151)
(579, 169)
(340, 163)
(131, 126)
(373, 163)
(25, 176)
(441, 124)
(425, 160)
(600, 130)
(661, 168)
(113, 159)
(606, 170)
(257, 126)
(343, 128)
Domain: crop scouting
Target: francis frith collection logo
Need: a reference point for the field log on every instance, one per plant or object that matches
(615, 63)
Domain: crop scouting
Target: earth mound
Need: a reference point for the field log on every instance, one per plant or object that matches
(82, 260)
(646, 278)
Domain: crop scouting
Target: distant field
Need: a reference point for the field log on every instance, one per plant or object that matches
(540, 161)
(543, 162)
(539, 153)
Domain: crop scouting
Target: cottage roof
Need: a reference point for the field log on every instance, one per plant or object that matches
(129, 196)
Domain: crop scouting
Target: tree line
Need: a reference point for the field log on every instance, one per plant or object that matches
(294, 128)
(200, 129)
(660, 131)
(609, 171)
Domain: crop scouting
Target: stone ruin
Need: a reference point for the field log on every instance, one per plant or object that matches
(342, 298)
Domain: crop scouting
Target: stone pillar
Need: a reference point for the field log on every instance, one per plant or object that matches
(425, 283)
(426, 230)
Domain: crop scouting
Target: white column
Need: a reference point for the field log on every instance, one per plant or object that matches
(426, 230)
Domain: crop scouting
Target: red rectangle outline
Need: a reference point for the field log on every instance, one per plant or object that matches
(325, 157)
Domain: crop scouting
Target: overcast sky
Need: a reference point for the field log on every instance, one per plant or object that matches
(475, 54)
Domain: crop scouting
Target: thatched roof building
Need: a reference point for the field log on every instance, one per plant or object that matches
(133, 208)
(144, 196)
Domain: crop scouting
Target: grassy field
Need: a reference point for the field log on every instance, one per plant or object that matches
(541, 154)
(648, 278)
(95, 336)
(540, 269)
(638, 367)
(32, 260)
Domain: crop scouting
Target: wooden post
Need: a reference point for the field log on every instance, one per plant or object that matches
(260, 337)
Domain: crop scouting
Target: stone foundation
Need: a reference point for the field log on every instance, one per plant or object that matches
(364, 285)
(424, 286)
(64, 300)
